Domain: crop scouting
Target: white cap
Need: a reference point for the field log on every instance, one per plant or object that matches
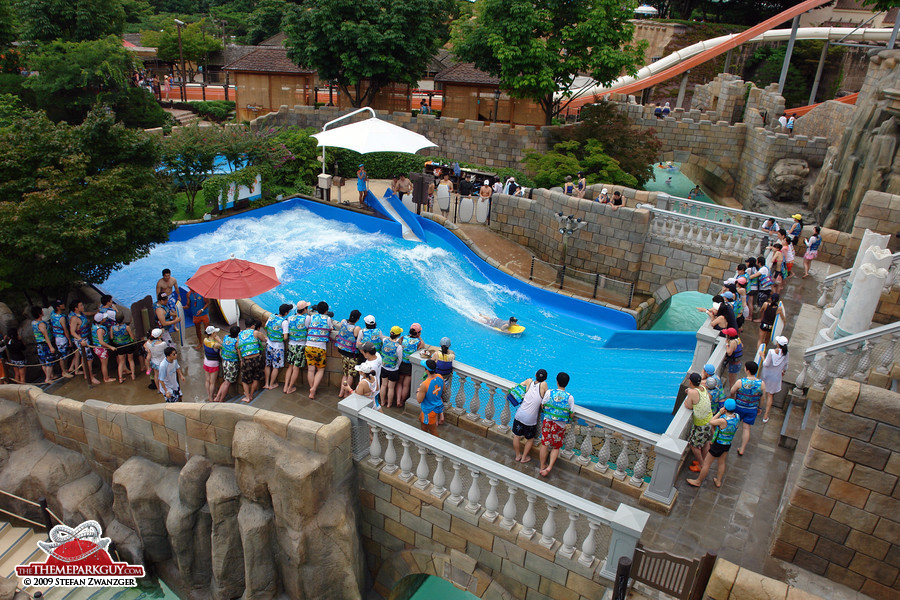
(156, 333)
(781, 340)
(369, 320)
(604, 191)
(366, 367)
(99, 317)
(211, 330)
(487, 182)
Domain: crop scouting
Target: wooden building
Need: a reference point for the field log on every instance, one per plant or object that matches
(469, 93)
(266, 79)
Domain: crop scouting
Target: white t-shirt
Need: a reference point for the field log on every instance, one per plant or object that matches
(168, 375)
(531, 405)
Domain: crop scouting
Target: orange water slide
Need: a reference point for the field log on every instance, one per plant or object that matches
(690, 63)
(799, 112)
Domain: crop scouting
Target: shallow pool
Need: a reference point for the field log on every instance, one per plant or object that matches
(672, 181)
(682, 313)
(630, 375)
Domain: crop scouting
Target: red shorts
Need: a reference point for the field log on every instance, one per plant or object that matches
(552, 434)
(209, 369)
(201, 319)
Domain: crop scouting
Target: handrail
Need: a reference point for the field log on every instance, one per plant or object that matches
(851, 340)
(701, 220)
(660, 196)
(49, 515)
(895, 259)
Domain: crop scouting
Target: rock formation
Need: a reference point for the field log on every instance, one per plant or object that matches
(866, 158)
(277, 523)
(787, 179)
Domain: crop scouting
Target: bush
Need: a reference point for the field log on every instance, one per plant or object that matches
(135, 107)
(379, 165)
(12, 83)
(213, 110)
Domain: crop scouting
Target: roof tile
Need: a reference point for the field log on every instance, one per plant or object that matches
(466, 73)
(266, 59)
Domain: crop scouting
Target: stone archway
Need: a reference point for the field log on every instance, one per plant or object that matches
(703, 171)
(462, 571)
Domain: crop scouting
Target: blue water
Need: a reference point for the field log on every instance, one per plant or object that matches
(682, 313)
(630, 375)
(680, 185)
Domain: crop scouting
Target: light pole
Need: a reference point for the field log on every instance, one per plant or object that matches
(568, 226)
(179, 25)
(496, 102)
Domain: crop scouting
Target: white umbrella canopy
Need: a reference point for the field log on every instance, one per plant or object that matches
(373, 135)
(646, 9)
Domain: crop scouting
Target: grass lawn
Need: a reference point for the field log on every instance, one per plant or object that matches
(181, 202)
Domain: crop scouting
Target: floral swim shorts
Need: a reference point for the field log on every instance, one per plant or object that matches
(230, 370)
(274, 356)
(348, 363)
(315, 357)
(552, 434)
(252, 369)
(296, 355)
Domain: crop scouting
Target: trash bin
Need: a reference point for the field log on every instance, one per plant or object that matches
(325, 181)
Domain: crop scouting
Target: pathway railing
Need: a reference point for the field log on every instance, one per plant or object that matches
(833, 284)
(594, 441)
(705, 233)
(711, 212)
(850, 357)
(590, 531)
(586, 283)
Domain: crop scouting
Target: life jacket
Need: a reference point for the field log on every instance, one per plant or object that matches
(297, 329)
(724, 437)
(410, 346)
(56, 324)
(247, 343)
(389, 354)
(229, 348)
(274, 330)
(120, 335)
(372, 335)
(444, 367)
(210, 352)
(319, 328)
(750, 393)
(38, 334)
(738, 353)
(345, 339)
(95, 334)
(557, 406)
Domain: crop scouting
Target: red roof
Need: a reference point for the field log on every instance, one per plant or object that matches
(266, 59)
(466, 73)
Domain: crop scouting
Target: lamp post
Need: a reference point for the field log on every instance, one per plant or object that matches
(568, 226)
(179, 25)
(496, 102)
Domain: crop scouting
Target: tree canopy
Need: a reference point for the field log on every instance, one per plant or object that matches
(536, 47)
(196, 42)
(70, 20)
(77, 202)
(365, 44)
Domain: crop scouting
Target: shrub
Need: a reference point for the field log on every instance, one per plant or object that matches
(213, 110)
(379, 165)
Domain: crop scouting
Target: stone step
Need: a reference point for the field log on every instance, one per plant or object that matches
(795, 421)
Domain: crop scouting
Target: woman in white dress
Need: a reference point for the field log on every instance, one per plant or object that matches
(773, 370)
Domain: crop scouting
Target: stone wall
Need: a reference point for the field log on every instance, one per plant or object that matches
(666, 263)
(843, 517)
(658, 35)
(731, 582)
(828, 120)
(222, 500)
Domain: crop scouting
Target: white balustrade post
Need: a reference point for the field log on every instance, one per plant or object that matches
(460, 394)
(549, 528)
(455, 485)
(568, 450)
(587, 445)
(569, 537)
(668, 453)
(475, 403)
(603, 455)
(474, 497)
(437, 489)
(589, 547)
(529, 518)
(622, 460)
(488, 420)
(390, 455)
(422, 469)
(405, 462)
(640, 467)
(492, 501)
(375, 448)
(509, 510)
(626, 531)
(505, 415)
(351, 407)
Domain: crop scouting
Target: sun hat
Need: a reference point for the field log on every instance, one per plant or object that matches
(695, 378)
(710, 368)
(415, 327)
(781, 340)
(396, 330)
(366, 367)
(730, 332)
(369, 320)
(211, 330)
(156, 333)
(730, 405)
(728, 296)
(798, 216)
(604, 191)
(302, 305)
(445, 342)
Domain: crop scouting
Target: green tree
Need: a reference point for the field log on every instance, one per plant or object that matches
(566, 158)
(198, 41)
(536, 47)
(70, 20)
(11, 108)
(188, 156)
(376, 41)
(7, 25)
(77, 201)
(265, 21)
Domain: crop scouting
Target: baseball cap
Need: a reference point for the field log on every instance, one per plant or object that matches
(709, 368)
(211, 330)
(798, 216)
(366, 367)
(429, 364)
(486, 182)
(695, 378)
(730, 405)
(396, 330)
(730, 332)
(361, 165)
(156, 333)
(728, 296)
(781, 340)
(445, 342)
(57, 303)
(712, 382)
(369, 320)
(368, 348)
(99, 317)
(604, 191)
(302, 305)
(415, 327)
(742, 280)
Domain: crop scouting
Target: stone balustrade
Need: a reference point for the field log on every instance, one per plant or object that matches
(705, 233)
(834, 284)
(455, 480)
(711, 212)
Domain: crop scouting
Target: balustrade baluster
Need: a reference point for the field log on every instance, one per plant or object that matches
(719, 242)
(568, 449)
(405, 462)
(549, 528)
(505, 415)
(569, 537)
(587, 445)
(492, 501)
(375, 447)
(801, 378)
(887, 359)
(509, 510)
(456, 485)
(589, 547)
(474, 497)
(390, 455)
(438, 488)
(422, 469)
(529, 519)
(823, 299)
(460, 393)
(475, 403)
(640, 467)
(864, 362)
(709, 236)
(488, 420)
(622, 460)
(604, 453)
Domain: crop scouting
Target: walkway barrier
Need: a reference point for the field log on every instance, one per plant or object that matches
(679, 577)
(585, 283)
(646, 462)
(705, 233)
(834, 283)
(711, 212)
(590, 531)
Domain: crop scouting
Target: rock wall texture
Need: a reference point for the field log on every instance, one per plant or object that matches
(828, 120)
(868, 155)
(731, 582)
(225, 501)
(843, 517)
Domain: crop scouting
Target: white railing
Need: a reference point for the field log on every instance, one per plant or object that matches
(850, 357)
(469, 472)
(833, 284)
(711, 212)
(593, 440)
(705, 233)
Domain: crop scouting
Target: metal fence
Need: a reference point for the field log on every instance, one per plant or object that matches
(585, 283)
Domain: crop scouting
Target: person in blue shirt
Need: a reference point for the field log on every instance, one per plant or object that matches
(199, 307)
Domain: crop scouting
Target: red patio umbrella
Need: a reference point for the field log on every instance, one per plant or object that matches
(233, 279)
